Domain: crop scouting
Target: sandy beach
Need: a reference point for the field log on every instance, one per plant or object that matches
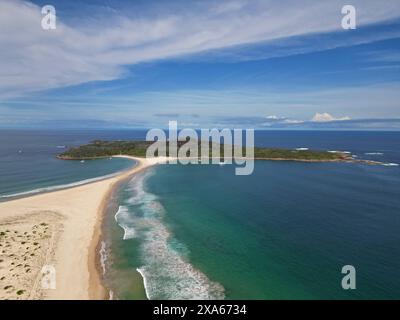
(57, 231)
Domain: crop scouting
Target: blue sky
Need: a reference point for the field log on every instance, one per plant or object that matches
(262, 64)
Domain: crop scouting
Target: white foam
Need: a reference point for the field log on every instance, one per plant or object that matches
(166, 272)
(336, 151)
(129, 233)
(144, 282)
(391, 164)
(103, 256)
(168, 275)
(59, 187)
(374, 153)
(123, 218)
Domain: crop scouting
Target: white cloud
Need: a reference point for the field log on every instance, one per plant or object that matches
(326, 117)
(32, 59)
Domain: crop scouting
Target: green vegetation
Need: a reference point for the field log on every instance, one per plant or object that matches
(287, 154)
(102, 149)
(19, 292)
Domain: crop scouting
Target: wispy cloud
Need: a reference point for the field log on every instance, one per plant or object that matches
(32, 59)
(382, 56)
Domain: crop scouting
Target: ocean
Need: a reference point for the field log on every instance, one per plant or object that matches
(28, 162)
(284, 232)
(201, 232)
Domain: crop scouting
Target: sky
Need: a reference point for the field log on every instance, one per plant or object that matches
(259, 64)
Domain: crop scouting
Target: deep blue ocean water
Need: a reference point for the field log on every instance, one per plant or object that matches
(201, 232)
(28, 160)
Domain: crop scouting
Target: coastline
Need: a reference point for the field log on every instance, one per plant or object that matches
(75, 217)
(338, 160)
(74, 254)
(96, 289)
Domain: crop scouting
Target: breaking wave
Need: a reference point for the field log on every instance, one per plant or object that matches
(391, 164)
(59, 187)
(125, 221)
(165, 268)
(374, 153)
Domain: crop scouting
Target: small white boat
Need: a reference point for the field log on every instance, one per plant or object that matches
(82, 161)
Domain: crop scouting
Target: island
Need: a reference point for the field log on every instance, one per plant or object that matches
(102, 149)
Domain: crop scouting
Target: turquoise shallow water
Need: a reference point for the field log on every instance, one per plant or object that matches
(284, 232)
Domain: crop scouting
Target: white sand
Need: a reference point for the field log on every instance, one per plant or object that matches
(73, 217)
